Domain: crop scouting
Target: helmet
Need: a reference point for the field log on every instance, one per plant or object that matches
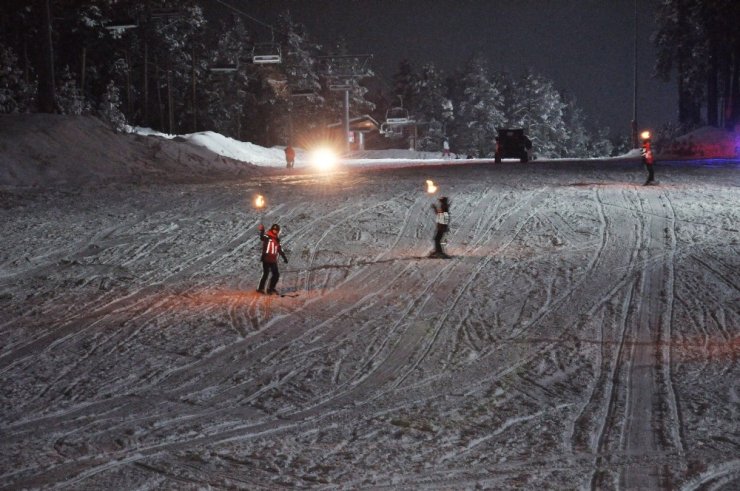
(275, 227)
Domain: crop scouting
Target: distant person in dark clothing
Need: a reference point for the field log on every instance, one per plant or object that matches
(443, 222)
(289, 156)
(647, 158)
(271, 249)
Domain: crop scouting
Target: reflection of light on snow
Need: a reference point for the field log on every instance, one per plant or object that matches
(431, 188)
(259, 201)
(323, 158)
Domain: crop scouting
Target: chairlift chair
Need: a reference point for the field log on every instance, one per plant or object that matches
(165, 13)
(391, 130)
(340, 84)
(266, 54)
(122, 22)
(301, 92)
(224, 67)
(397, 115)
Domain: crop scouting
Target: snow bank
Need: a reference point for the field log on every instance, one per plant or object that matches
(705, 142)
(49, 150)
(275, 156)
(225, 146)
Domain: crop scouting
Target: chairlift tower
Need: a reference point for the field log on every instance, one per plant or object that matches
(342, 72)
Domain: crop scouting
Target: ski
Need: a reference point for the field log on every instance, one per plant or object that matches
(438, 256)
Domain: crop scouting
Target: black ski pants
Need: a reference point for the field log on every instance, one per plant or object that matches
(441, 231)
(267, 270)
(651, 173)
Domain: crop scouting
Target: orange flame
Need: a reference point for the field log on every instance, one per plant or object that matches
(645, 135)
(259, 201)
(431, 188)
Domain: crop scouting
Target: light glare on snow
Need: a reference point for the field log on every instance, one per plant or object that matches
(324, 158)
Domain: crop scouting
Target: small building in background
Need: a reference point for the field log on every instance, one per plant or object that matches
(361, 128)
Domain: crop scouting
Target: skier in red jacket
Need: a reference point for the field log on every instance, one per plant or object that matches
(647, 157)
(270, 250)
(289, 156)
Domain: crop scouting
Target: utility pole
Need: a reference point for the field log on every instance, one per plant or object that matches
(46, 91)
(170, 109)
(346, 122)
(635, 143)
(195, 102)
(146, 83)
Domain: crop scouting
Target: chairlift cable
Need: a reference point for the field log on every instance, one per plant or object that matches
(241, 12)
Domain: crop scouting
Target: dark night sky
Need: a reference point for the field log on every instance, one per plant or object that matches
(585, 46)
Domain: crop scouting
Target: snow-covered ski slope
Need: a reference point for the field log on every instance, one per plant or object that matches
(585, 335)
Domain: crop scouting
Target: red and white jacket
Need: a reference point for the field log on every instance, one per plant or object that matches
(443, 217)
(271, 247)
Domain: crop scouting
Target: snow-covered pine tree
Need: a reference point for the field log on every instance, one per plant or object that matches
(300, 112)
(478, 109)
(578, 141)
(171, 47)
(700, 42)
(536, 106)
(85, 48)
(600, 145)
(678, 44)
(15, 94)
(432, 107)
(404, 82)
(110, 108)
(226, 94)
(69, 96)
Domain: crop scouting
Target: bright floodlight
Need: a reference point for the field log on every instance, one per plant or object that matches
(645, 135)
(323, 158)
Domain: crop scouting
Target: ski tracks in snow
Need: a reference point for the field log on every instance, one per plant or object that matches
(571, 308)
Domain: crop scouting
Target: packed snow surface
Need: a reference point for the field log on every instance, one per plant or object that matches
(585, 333)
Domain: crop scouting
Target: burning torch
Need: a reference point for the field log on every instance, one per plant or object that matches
(259, 204)
(431, 187)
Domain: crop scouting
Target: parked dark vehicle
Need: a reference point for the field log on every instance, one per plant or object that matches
(512, 143)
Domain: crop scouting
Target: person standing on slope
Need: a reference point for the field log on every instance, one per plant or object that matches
(648, 158)
(270, 250)
(289, 156)
(446, 148)
(443, 222)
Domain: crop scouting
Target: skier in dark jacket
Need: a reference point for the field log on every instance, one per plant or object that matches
(443, 222)
(270, 250)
